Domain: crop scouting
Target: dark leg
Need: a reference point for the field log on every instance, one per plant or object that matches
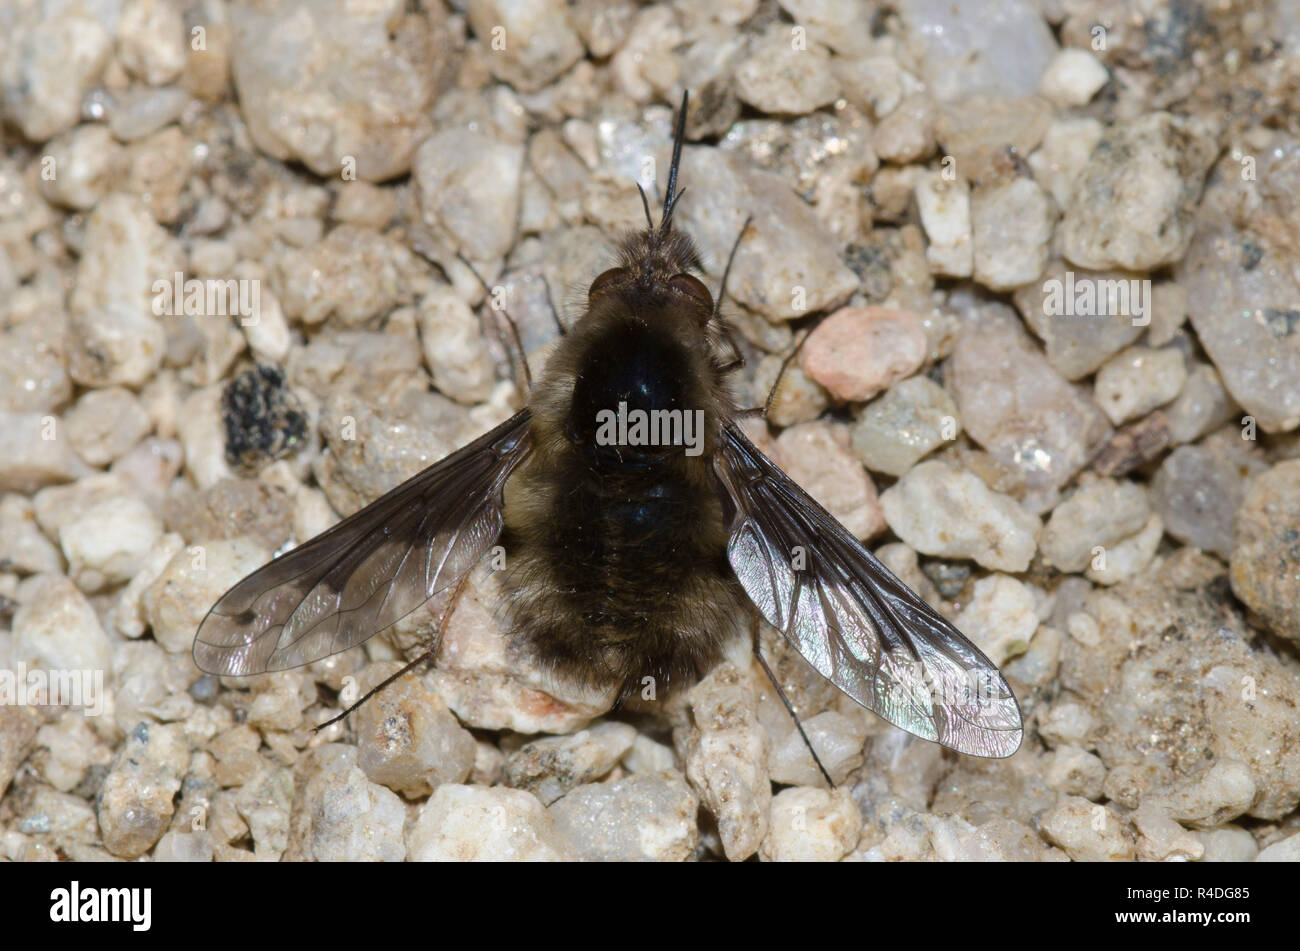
(423, 658)
(519, 348)
(785, 365)
(738, 359)
(510, 322)
(726, 271)
(771, 394)
(789, 707)
(426, 656)
(555, 314)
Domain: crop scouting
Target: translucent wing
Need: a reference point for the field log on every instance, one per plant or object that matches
(371, 569)
(852, 619)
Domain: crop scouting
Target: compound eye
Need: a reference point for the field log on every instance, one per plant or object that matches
(693, 288)
(605, 281)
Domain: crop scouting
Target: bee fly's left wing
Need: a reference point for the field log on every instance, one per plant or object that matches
(371, 569)
(852, 619)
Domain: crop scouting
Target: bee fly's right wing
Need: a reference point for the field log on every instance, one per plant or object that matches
(852, 619)
(371, 569)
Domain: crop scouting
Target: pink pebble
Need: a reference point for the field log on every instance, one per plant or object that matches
(858, 351)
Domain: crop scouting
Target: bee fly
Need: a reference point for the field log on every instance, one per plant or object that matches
(627, 556)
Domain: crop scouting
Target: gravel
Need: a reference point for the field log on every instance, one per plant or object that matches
(1052, 373)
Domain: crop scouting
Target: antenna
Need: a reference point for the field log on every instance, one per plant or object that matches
(671, 195)
(645, 203)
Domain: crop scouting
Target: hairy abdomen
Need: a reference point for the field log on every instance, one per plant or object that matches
(618, 577)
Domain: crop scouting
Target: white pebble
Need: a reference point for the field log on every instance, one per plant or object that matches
(726, 759)
(537, 43)
(23, 546)
(945, 209)
(776, 77)
(650, 817)
(836, 738)
(348, 818)
(140, 111)
(1099, 514)
(454, 349)
(33, 452)
(1161, 839)
(116, 337)
(1132, 203)
(1067, 722)
(191, 583)
(648, 756)
(940, 510)
(812, 825)
(811, 454)
(1128, 557)
(151, 42)
(86, 162)
(56, 628)
(105, 424)
(1088, 832)
(1001, 617)
(135, 803)
(1137, 380)
(128, 614)
(1229, 844)
(477, 824)
(1064, 152)
(1074, 771)
(788, 265)
(1073, 77)
(351, 275)
(914, 417)
(906, 134)
(1219, 794)
(184, 847)
(343, 87)
(49, 68)
(469, 187)
(279, 700)
(407, 739)
(108, 542)
(1288, 850)
(73, 748)
(267, 333)
(1012, 225)
(550, 767)
(202, 433)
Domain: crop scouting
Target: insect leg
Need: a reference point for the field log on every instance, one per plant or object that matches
(738, 360)
(555, 314)
(428, 655)
(785, 365)
(762, 411)
(789, 707)
(510, 322)
(726, 271)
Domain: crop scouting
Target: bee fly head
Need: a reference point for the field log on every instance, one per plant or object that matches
(657, 264)
(654, 285)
